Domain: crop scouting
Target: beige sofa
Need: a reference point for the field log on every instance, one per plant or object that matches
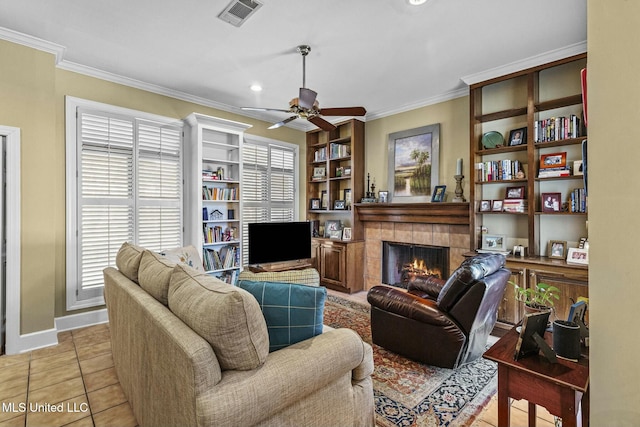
(202, 359)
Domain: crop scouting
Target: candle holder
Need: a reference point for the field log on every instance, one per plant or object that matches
(459, 197)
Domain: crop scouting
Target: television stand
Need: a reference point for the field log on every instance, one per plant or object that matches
(281, 266)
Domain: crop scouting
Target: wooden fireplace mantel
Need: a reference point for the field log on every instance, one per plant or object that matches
(422, 213)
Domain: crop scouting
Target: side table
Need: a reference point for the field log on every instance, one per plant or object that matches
(560, 387)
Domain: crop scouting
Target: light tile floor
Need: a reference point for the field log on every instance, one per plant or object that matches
(78, 377)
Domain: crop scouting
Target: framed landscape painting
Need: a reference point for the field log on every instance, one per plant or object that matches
(413, 164)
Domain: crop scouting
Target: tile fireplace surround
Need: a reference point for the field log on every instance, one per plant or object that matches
(435, 224)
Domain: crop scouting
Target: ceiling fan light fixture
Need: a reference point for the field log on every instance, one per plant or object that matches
(416, 2)
(256, 87)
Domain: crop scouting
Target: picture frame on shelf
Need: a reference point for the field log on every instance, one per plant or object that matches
(494, 242)
(439, 193)
(324, 200)
(485, 206)
(339, 171)
(515, 192)
(314, 204)
(553, 160)
(578, 256)
(346, 195)
(319, 172)
(383, 196)
(557, 249)
(332, 228)
(496, 205)
(578, 169)
(413, 159)
(339, 205)
(518, 136)
(347, 171)
(346, 233)
(551, 202)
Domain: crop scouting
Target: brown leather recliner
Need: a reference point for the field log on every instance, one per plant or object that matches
(440, 323)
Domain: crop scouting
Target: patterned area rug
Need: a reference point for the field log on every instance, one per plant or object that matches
(408, 393)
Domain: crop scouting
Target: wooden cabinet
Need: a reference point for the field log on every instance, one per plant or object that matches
(543, 106)
(213, 170)
(335, 181)
(340, 264)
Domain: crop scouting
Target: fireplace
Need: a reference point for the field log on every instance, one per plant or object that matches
(403, 261)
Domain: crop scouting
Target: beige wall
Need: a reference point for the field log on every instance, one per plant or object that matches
(32, 99)
(453, 117)
(614, 173)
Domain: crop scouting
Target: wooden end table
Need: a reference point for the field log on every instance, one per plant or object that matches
(559, 387)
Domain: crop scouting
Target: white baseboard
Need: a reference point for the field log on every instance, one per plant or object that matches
(49, 337)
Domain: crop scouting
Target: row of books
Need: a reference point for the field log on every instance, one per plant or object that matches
(500, 170)
(578, 201)
(554, 172)
(215, 234)
(215, 193)
(221, 259)
(320, 155)
(556, 128)
(230, 277)
(514, 205)
(339, 150)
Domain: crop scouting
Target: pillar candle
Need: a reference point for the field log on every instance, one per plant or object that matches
(459, 167)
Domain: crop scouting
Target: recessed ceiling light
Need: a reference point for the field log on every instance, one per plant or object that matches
(416, 2)
(256, 87)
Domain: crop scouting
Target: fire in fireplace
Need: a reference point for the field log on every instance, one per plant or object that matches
(401, 262)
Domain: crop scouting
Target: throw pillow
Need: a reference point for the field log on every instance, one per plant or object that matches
(128, 260)
(154, 275)
(293, 312)
(187, 255)
(227, 317)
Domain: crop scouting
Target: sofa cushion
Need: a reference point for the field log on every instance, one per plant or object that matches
(154, 275)
(187, 255)
(128, 260)
(305, 276)
(293, 312)
(229, 318)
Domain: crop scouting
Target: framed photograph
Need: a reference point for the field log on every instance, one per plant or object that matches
(346, 233)
(515, 192)
(496, 206)
(557, 249)
(553, 160)
(339, 205)
(324, 199)
(438, 193)
(578, 256)
(551, 202)
(494, 242)
(414, 156)
(383, 196)
(518, 136)
(333, 228)
(347, 171)
(339, 171)
(319, 172)
(485, 206)
(577, 168)
(314, 204)
(346, 195)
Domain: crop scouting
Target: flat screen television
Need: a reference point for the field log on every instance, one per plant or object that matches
(279, 241)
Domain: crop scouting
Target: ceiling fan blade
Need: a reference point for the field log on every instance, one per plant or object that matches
(265, 109)
(343, 111)
(282, 123)
(307, 98)
(321, 123)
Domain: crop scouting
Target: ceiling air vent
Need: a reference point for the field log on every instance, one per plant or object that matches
(239, 11)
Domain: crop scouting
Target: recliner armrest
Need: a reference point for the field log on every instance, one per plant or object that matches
(426, 287)
(407, 305)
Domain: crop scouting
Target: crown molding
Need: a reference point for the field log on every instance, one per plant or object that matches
(33, 42)
(447, 96)
(530, 62)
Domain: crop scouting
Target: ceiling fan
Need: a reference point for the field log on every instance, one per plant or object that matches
(306, 106)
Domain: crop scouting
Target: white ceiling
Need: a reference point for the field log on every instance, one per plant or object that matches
(384, 55)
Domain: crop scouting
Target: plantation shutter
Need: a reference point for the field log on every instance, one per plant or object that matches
(268, 186)
(130, 190)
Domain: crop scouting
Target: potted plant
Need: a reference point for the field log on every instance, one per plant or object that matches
(538, 298)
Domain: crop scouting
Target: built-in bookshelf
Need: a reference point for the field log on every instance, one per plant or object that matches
(212, 193)
(526, 149)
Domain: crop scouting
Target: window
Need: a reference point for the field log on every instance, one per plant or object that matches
(124, 183)
(269, 174)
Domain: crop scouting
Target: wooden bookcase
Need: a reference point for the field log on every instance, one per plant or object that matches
(517, 101)
(340, 154)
